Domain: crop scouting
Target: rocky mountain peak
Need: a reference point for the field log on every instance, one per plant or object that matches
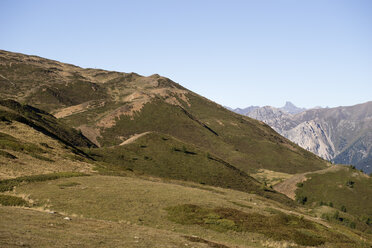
(289, 107)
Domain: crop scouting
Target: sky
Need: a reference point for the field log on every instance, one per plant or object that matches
(236, 53)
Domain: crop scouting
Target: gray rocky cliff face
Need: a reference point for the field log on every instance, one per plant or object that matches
(342, 134)
(313, 137)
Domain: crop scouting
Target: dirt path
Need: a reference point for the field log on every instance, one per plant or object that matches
(133, 138)
(289, 186)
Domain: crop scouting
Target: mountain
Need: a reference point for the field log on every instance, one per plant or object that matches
(349, 130)
(115, 106)
(342, 135)
(287, 108)
(131, 161)
(243, 111)
(291, 108)
(276, 118)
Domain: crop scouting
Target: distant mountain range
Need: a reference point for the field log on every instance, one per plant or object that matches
(341, 135)
(288, 108)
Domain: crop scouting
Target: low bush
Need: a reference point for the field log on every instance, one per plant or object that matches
(299, 185)
(278, 226)
(9, 200)
(301, 199)
(350, 184)
(9, 184)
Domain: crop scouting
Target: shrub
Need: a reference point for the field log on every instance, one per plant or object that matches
(299, 185)
(343, 208)
(350, 184)
(367, 220)
(9, 184)
(278, 226)
(301, 199)
(336, 215)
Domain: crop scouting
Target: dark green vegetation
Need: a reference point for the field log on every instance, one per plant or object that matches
(163, 156)
(334, 187)
(253, 142)
(9, 184)
(9, 200)
(248, 145)
(278, 226)
(346, 190)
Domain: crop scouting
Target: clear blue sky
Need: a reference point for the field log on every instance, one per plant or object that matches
(237, 53)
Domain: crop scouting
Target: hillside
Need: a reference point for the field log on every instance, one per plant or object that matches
(342, 135)
(34, 142)
(116, 106)
(165, 168)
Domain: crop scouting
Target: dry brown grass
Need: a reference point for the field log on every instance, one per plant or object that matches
(145, 202)
(24, 165)
(21, 227)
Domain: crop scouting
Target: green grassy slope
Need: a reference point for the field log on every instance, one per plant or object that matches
(163, 156)
(153, 154)
(253, 141)
(346, 190)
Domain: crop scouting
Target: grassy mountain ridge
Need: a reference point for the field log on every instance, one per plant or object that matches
(42, 121)
(348, 193)
(153, 154)
(116, 105)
